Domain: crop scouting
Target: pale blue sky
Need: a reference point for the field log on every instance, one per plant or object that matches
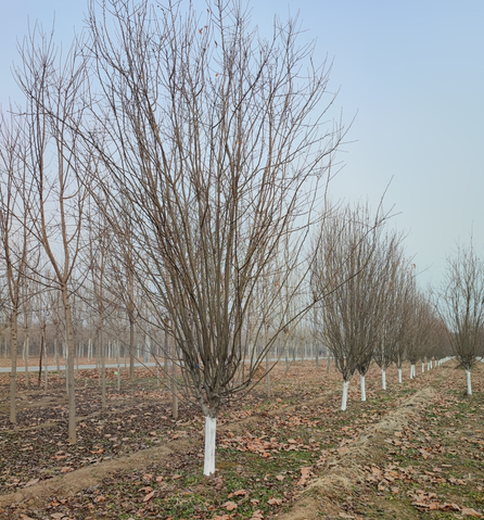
(414, 72)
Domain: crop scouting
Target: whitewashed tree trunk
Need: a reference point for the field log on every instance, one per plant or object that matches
(412, 372)
(423, 367)
(210, 436)
(469, 384)
(400, 375)
(363, 387)
(383, 379)
(344, 400)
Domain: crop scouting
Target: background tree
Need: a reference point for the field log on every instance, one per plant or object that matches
(14, 232)
(54, 87)
(392, 304)
(461, 305)
(215, 142)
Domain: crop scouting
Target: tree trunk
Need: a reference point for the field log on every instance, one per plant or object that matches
(400, 375)
(103, 367)
(40, 359)
(118, 373)
(56, 354)
(13, 373)
(131, 348)
(268, 377)
(469, 384)
(344, 400)
(363, 387)
(210, 436)
(71, 391)
(383, 379)
(174, 385)
(26, 358)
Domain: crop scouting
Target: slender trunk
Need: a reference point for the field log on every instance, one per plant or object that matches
(363, 387)
(344, 400)
(316, 353)
(103, 366)
(71, 391)
(174, 385)
(131, 348)
(423, 367)
(210, 436)
(46, 371)
(26, 358)
(268, 377)
(13, 373)
(40, 359)
(118, 373)
(56, 354)
(400, 375)
(328, 363)
(412, 371)
(383, 379)
(469, 384)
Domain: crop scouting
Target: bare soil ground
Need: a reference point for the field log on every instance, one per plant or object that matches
(413, 451)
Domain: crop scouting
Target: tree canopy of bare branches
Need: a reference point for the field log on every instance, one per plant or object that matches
(214, 141)
(462, 306)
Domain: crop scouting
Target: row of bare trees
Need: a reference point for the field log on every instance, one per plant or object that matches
(370, 309)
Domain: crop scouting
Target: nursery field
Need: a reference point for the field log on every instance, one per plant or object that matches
(413, 451)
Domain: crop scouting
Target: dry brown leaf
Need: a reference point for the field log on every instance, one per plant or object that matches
(230, 506)
(274, 501)
(149, 496)
(469, 511)
(32, 482)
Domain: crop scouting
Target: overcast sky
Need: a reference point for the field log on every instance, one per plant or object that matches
(413, 74)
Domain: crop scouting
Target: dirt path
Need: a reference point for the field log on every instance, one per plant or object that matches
(344, 471)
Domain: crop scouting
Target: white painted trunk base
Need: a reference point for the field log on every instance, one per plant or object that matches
(469, 384)
(210, 435)
(363, 387)
(383, 379)
(423, 368)
(344, 400)
(412, 371)
(400, 380)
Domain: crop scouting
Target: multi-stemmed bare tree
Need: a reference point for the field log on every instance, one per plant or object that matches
(214, 142)
(461, 303)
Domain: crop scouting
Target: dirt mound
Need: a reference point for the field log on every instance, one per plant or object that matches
(344, 471)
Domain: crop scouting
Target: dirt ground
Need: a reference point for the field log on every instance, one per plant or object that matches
(413, 451)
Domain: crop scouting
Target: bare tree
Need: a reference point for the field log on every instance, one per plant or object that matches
(54, 86)
(461, 304)
(214, 141)
(14, 233)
